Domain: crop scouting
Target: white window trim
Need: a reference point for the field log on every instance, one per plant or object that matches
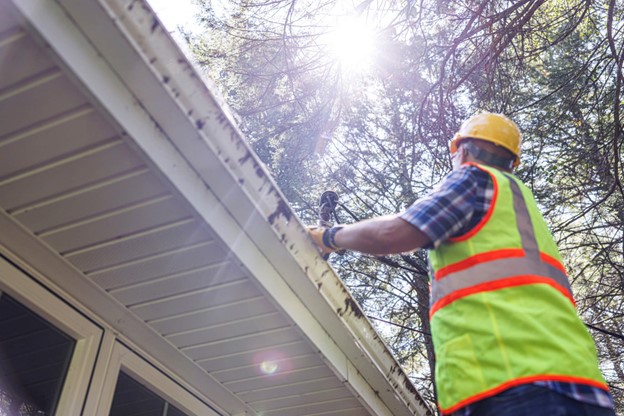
(87, 335)
(122, 358)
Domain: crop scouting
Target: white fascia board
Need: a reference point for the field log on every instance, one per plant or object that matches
(131, 65)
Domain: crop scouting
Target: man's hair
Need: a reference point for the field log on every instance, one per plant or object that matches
(502, 159)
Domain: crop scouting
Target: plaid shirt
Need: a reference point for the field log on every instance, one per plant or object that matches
(452, 209)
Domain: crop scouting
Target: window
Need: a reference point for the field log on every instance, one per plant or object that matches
(34, 359)
(133, 399)
(133, 387)
(47, 349)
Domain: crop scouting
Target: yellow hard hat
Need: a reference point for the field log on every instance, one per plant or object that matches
(493, 128)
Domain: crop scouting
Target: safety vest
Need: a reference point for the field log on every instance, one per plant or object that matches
(502, 312)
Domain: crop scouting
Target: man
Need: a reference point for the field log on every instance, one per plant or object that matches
(506, 335)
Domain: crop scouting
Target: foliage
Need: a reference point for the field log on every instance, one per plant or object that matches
(379, 137)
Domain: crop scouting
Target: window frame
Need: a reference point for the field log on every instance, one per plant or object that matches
(142, 371)
(87, 335)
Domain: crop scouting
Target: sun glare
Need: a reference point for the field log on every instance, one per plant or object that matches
(352, 44)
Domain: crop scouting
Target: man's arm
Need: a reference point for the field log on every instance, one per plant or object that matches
(427, 222)
(388, 234)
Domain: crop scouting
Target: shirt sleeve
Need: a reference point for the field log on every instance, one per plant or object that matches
(447, 209)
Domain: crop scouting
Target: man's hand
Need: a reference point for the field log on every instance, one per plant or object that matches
(324, 239)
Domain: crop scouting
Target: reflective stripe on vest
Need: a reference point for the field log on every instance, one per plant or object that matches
(491, 267)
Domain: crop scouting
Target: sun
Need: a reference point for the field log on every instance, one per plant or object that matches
(351, 43)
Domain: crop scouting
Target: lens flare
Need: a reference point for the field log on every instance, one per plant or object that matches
(269, 367)
(272, 363)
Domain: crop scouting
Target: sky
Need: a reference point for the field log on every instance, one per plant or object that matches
(174, 13)
(351, 42)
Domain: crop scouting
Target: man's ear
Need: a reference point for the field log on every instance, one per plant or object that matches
(464, 154)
